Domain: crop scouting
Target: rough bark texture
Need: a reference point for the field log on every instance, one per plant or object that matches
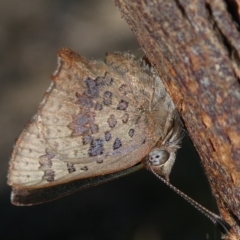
(195, 46)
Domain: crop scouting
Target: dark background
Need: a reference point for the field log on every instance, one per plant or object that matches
(135, 207)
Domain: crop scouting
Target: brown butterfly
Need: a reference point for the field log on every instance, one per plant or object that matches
(97, 121)
(96, 118)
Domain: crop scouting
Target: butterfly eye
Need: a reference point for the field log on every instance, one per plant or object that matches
(158, 157)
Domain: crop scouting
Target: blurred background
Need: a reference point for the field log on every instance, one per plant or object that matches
(135, 207)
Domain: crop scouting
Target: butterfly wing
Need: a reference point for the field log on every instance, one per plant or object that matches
(94, 120)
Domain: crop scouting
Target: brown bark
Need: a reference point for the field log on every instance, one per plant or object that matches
(195, 46)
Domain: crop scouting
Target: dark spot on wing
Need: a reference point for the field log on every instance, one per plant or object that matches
(96, 147)
(92, 88)
(125, 118)
(107, 98)
(131, 132)
(49, 175)
(117, 144)
(122, 105)
(107, 136)
(82, 119)
(85, 168)
(112, 121)
(45, 160)
(70, 167)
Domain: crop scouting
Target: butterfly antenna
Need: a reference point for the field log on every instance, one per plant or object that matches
(216, 219)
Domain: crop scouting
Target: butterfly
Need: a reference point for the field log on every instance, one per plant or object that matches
(97, 121)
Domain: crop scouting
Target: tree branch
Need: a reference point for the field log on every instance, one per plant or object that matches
(195, 46)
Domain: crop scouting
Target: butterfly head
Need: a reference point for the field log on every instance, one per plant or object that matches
(161, 159)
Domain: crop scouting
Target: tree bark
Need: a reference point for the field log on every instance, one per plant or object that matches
(195, 47)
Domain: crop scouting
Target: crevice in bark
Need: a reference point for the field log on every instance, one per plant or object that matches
(223, 40)
(232, 8)
(181, 8)
(212, 145)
